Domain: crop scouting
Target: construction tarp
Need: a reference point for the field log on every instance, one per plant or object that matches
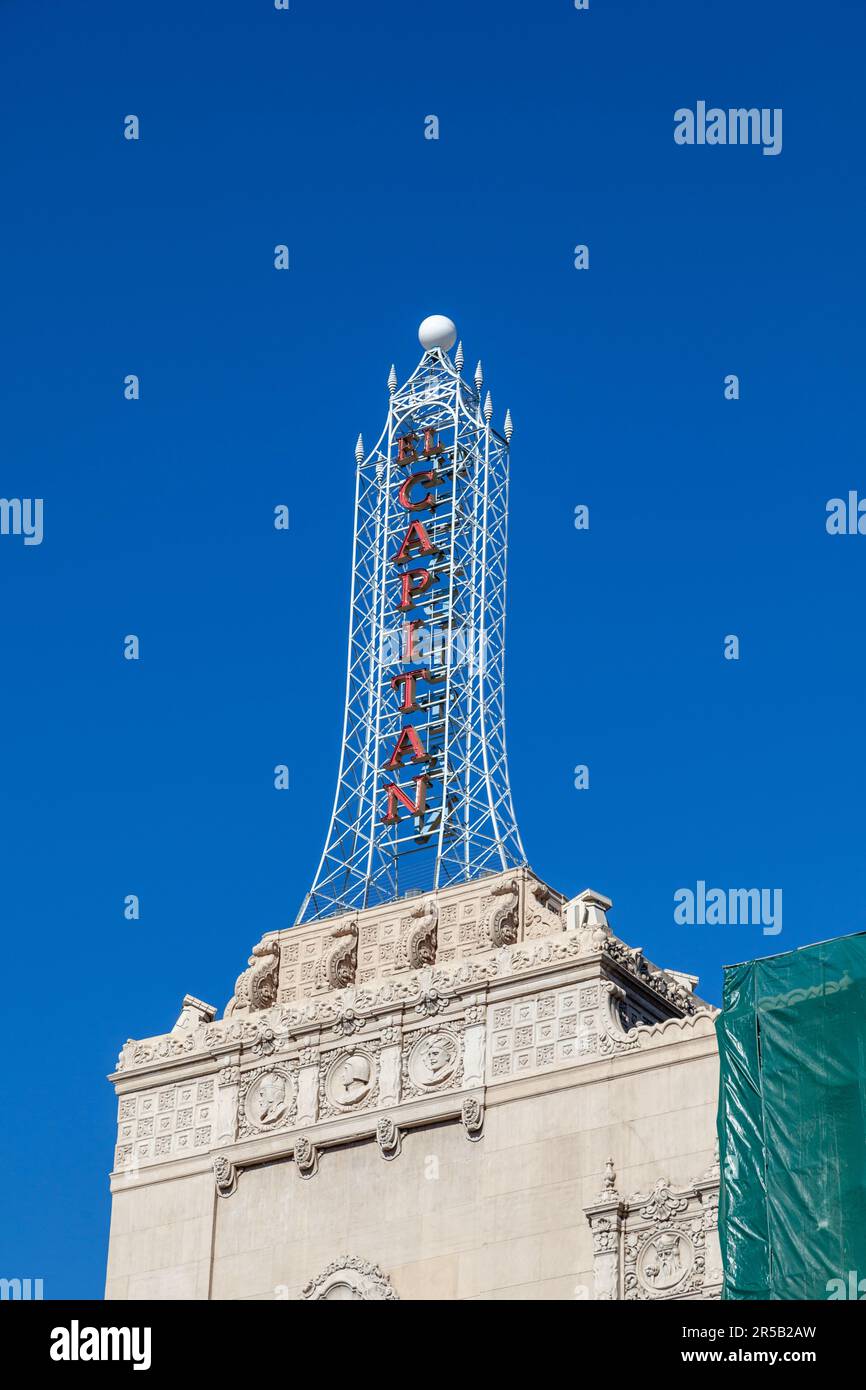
(792, 1123)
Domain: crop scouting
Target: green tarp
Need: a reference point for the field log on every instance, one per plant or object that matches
(792, 1123)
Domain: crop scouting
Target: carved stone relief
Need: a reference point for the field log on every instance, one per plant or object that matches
(339, 962)
(418, 938)
(256, 987)
(268, 1098)
(432, 1059)
(543, 913)
(657, 1245)
(556, 1027)
(166, 1122)
(350, 1279)
(225, 1176)
(500, 925)
(306, 1156)
(388, 1137)
(348, 1078)
(472, 1115)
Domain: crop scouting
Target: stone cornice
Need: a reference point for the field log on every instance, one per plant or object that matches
(428, 992)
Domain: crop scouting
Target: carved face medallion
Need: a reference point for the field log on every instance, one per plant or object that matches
(269, 1099)
(350, 1079)
(665, 1260)
(433, 1060)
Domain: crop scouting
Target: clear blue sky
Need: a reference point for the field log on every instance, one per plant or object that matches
(707, 516)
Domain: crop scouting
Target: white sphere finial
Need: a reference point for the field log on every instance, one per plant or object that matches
(437, 332)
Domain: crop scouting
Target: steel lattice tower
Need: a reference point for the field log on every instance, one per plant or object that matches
(423, 797)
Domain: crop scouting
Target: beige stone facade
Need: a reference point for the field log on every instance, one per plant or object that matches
(482, 1094)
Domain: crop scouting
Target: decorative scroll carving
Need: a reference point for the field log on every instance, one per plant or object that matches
(472, 1115)
(417, 946)
(265, 1041)
(339, 963)
(543, 916)
(350, 1278)
(306, 1156)
(388, 1137)
(256, 987)
(500, 917)
(225, 1176)
(347, 1022)
(665, 985)
(432, 1002)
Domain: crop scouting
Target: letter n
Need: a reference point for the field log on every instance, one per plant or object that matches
(396, 794)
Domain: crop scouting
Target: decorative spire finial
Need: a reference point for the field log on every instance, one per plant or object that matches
(458, 356)
(608, 1188)
(359, 449)
(479, 376)
(392, 379)
(488, 407)
(509, 427)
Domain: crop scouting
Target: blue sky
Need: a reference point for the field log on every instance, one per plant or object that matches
(707, 516)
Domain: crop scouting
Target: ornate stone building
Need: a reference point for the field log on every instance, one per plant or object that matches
(474, 1090)
(482, 1093)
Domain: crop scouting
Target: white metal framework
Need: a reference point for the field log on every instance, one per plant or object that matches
(426, 652)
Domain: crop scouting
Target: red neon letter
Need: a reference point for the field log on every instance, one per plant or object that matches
(409, 702)
(409, 630)
(409, 591)
(416, 538)
(406, 451)
(428, 500)
(429, 446)
(406, 743)
(395, 794)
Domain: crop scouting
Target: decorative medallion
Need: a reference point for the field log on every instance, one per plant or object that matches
(268, 1099)
(349, 1080)
(432, 1060)
(665, 1260)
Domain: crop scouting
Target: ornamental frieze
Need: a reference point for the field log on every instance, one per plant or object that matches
(661, 1244)
(431, 991)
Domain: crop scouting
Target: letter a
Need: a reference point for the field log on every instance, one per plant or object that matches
(407, 743)
(836, 517)
(684, 127)
(416, 538)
